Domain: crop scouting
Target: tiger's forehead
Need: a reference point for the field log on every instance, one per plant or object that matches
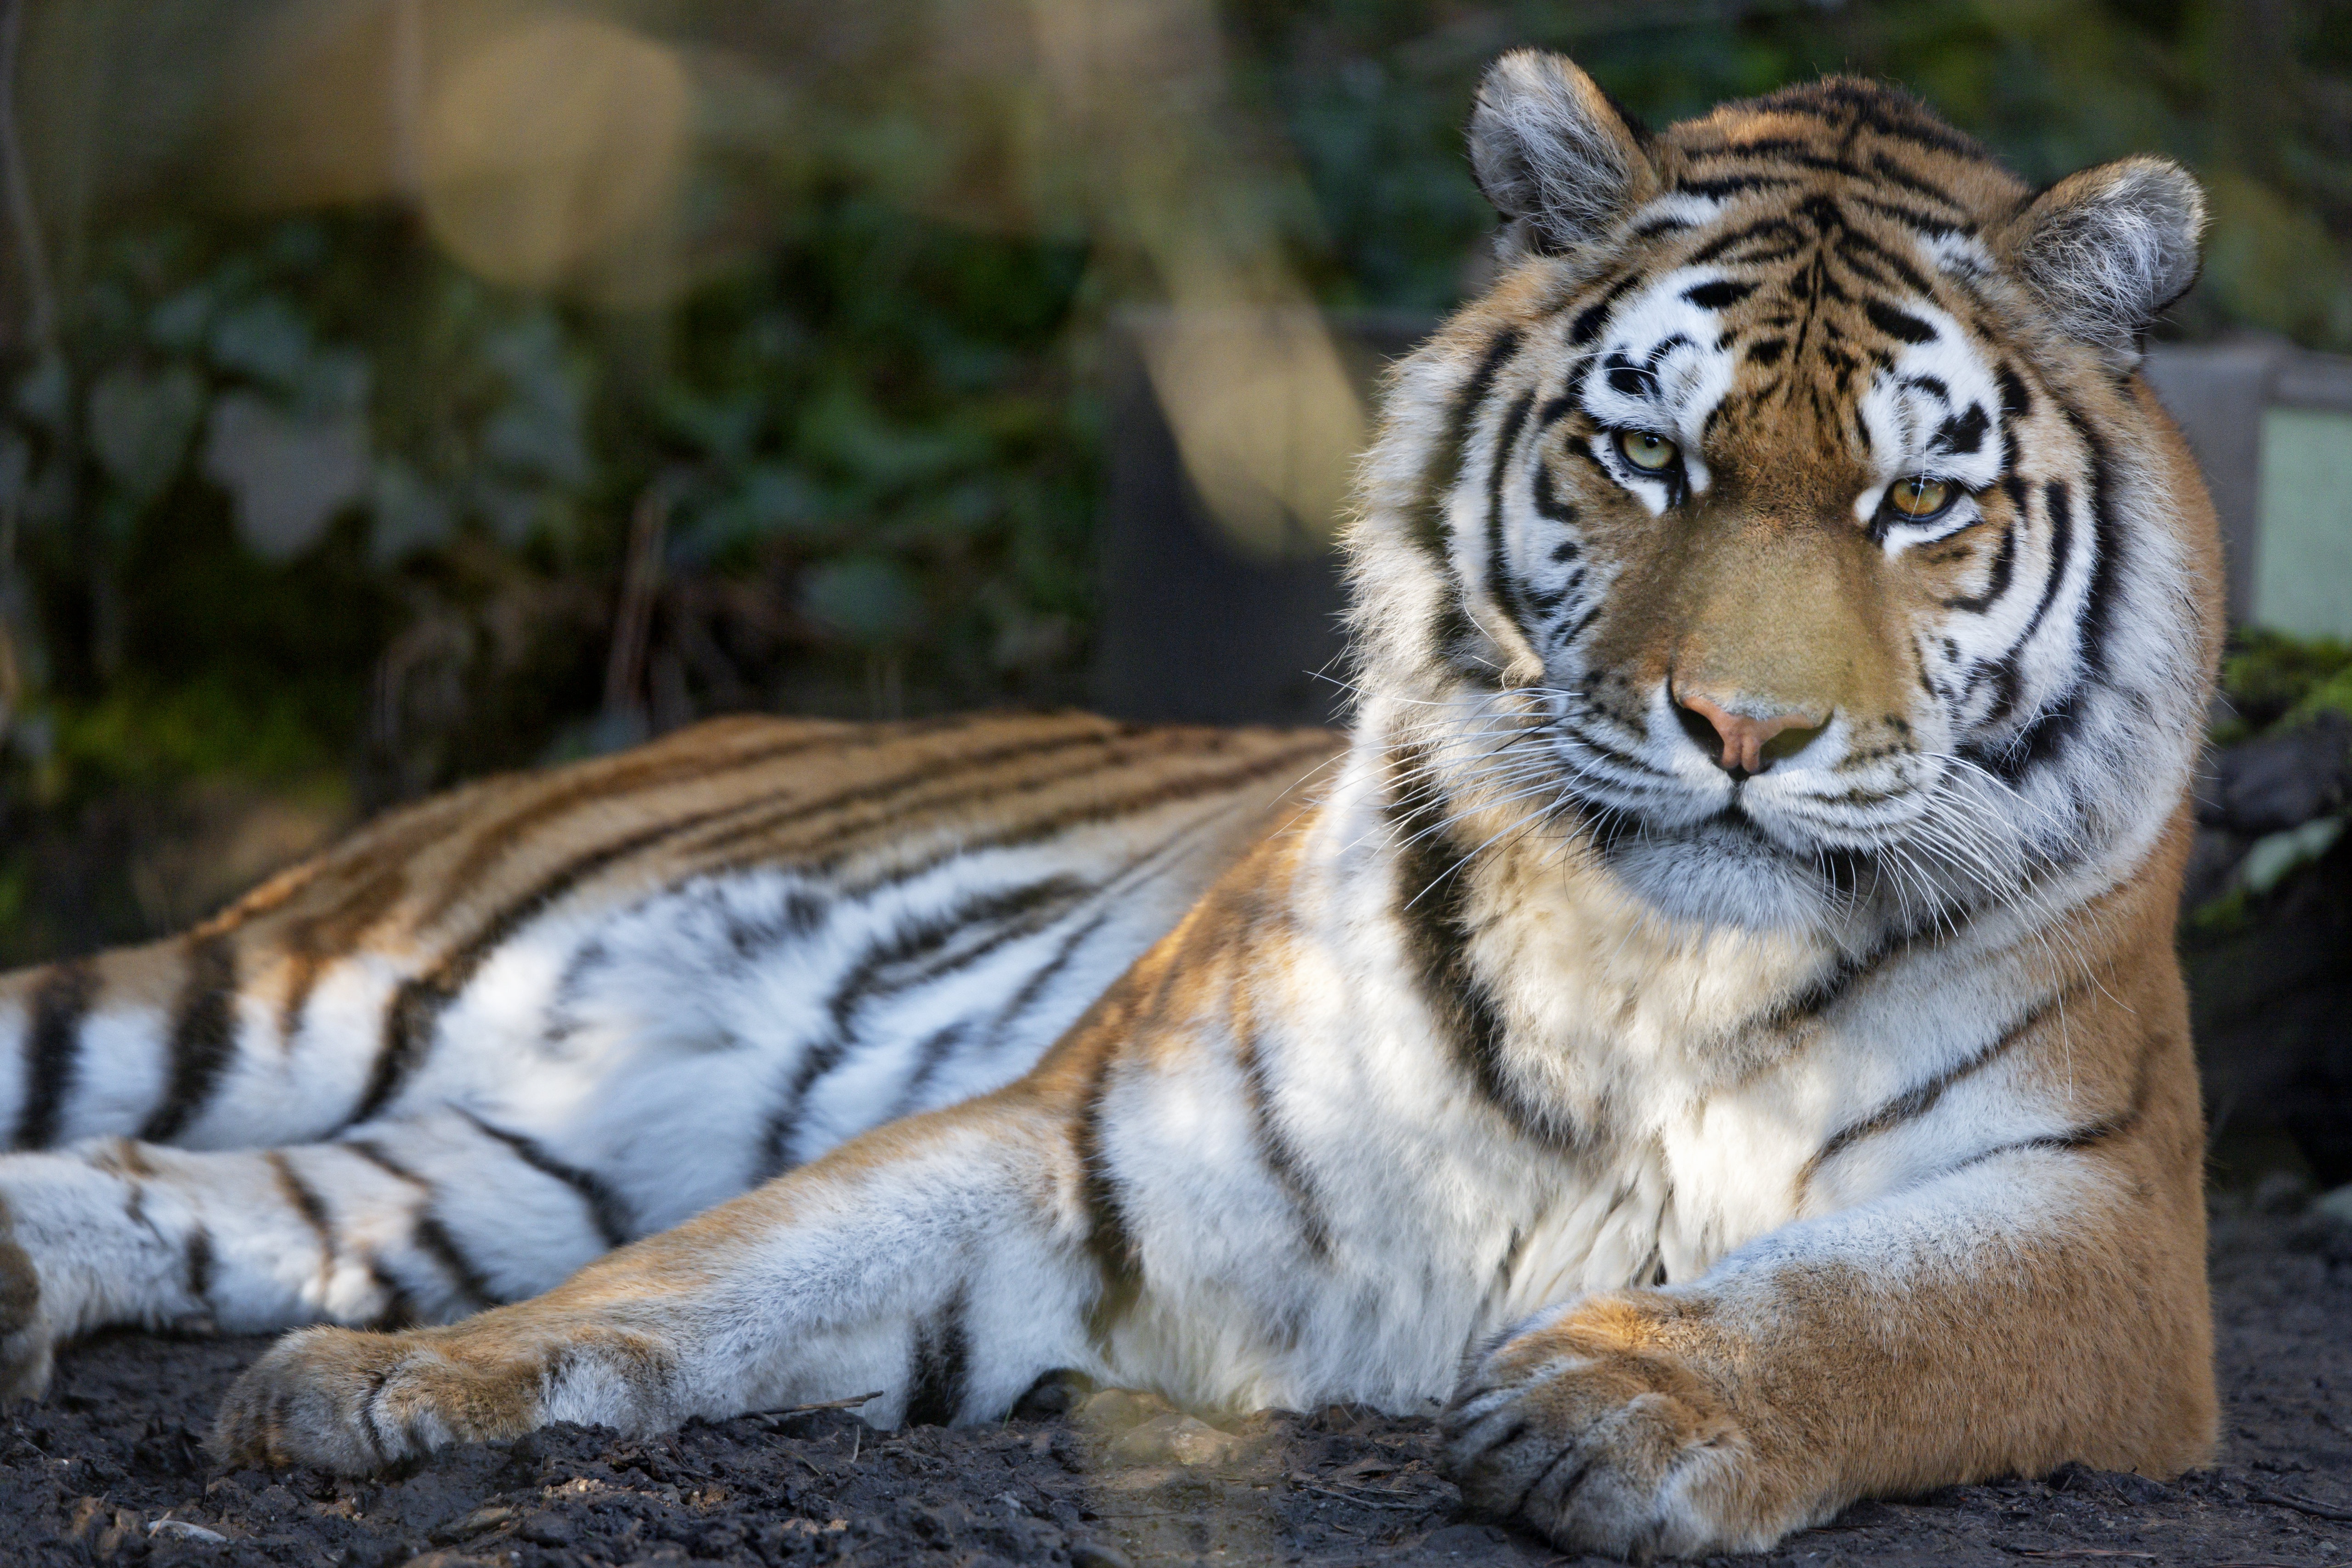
(1766, 330)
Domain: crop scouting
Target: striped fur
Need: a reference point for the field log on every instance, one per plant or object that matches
(1712, 1144)
(493, 1036)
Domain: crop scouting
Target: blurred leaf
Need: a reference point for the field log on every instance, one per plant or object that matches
(867, 599)
(537, 433)
(139, 424)
(266, 339)
(409, 513)
(178, 323)
(45, 395)
(287, 475)
(844, 427)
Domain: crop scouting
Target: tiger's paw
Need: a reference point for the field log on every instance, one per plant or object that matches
(27, 1340)
(1592, 1431)
(352, 1402)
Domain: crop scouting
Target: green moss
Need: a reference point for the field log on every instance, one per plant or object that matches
(2275, 680)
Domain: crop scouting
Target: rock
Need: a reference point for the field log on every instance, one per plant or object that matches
(1181, 1438)
(1055, 1393)
(2280, 781)
(1117, 1409)
(2335, 1205)
(1465, 1540)
(481, 1520)
(1095, 1554)
(181, 1530)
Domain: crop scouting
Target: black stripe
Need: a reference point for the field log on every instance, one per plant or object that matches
(305, 1201)
(1897, 323)
(1921, 1098)
(1432, 896)
(1718, 295)
(499, 837)
(1021, 834)
(199, 1254)
(2090, 1134)
(2096, 618)
(1589, 320)
(1776, 227)
(941, 1368)
(2003, 563)
(1017, 912)
(1500, 587)
(60, 1005)
(203, 1037)
(605, 1207)
(1119, 1262)
(1445, 465)
(1840, 980)
(303, 1198)
(1911, 217)
(1549, 506)
(432, 1240)
(929, 1057)
(375, 1155)
(2008, 761)
(1735, 185)
(929, 771)
(1275, 1148)
(416, 1006)
(1851, 240)
(399, 1307)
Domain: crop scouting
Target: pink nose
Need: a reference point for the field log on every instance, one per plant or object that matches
(1744, 738)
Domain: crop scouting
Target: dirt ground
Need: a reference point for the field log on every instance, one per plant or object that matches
(109, 1470)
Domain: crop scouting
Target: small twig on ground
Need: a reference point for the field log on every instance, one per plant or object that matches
(2301, 1505)
(852, 1403)
(1363, 1501)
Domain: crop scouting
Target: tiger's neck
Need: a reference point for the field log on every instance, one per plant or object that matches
(1563, 992)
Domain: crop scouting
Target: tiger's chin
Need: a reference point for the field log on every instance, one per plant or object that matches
(1725, 870)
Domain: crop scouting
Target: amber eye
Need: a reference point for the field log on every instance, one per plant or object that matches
(1650, 453)
(1918, 499)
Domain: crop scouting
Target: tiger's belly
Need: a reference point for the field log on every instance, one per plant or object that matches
(693, 1044)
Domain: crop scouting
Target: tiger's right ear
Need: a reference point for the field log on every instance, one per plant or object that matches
(1557, 158)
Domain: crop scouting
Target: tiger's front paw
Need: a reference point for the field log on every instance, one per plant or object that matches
(352, 1402)
(1596, 1431)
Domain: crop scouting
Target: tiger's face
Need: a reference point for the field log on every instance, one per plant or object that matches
(1791, 510)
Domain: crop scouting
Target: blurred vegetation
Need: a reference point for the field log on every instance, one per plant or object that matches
(2275, 682)
(305, 509)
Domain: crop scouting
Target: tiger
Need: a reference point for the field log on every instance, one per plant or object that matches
(1708, 1035)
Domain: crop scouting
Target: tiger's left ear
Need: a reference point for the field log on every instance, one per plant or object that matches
(1557, 158)
(2108, 247)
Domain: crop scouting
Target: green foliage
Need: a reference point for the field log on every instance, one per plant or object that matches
(2275, 682)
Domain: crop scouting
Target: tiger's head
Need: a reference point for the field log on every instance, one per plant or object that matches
(1789, 526)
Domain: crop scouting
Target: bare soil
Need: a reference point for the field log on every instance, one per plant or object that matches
(109, 1470)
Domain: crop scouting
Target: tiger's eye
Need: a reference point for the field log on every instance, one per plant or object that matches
(1650, 453)
(1919, 497)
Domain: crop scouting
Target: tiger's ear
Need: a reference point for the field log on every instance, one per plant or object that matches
(1557, 158)
(2108, 247)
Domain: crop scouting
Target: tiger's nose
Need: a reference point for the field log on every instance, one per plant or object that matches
(1750, 743)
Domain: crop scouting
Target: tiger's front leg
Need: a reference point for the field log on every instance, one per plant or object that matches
(2038, 1306)
(937, 1260)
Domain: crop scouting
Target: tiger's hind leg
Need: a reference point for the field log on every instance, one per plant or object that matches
(418, 1220)
(941, 1262)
